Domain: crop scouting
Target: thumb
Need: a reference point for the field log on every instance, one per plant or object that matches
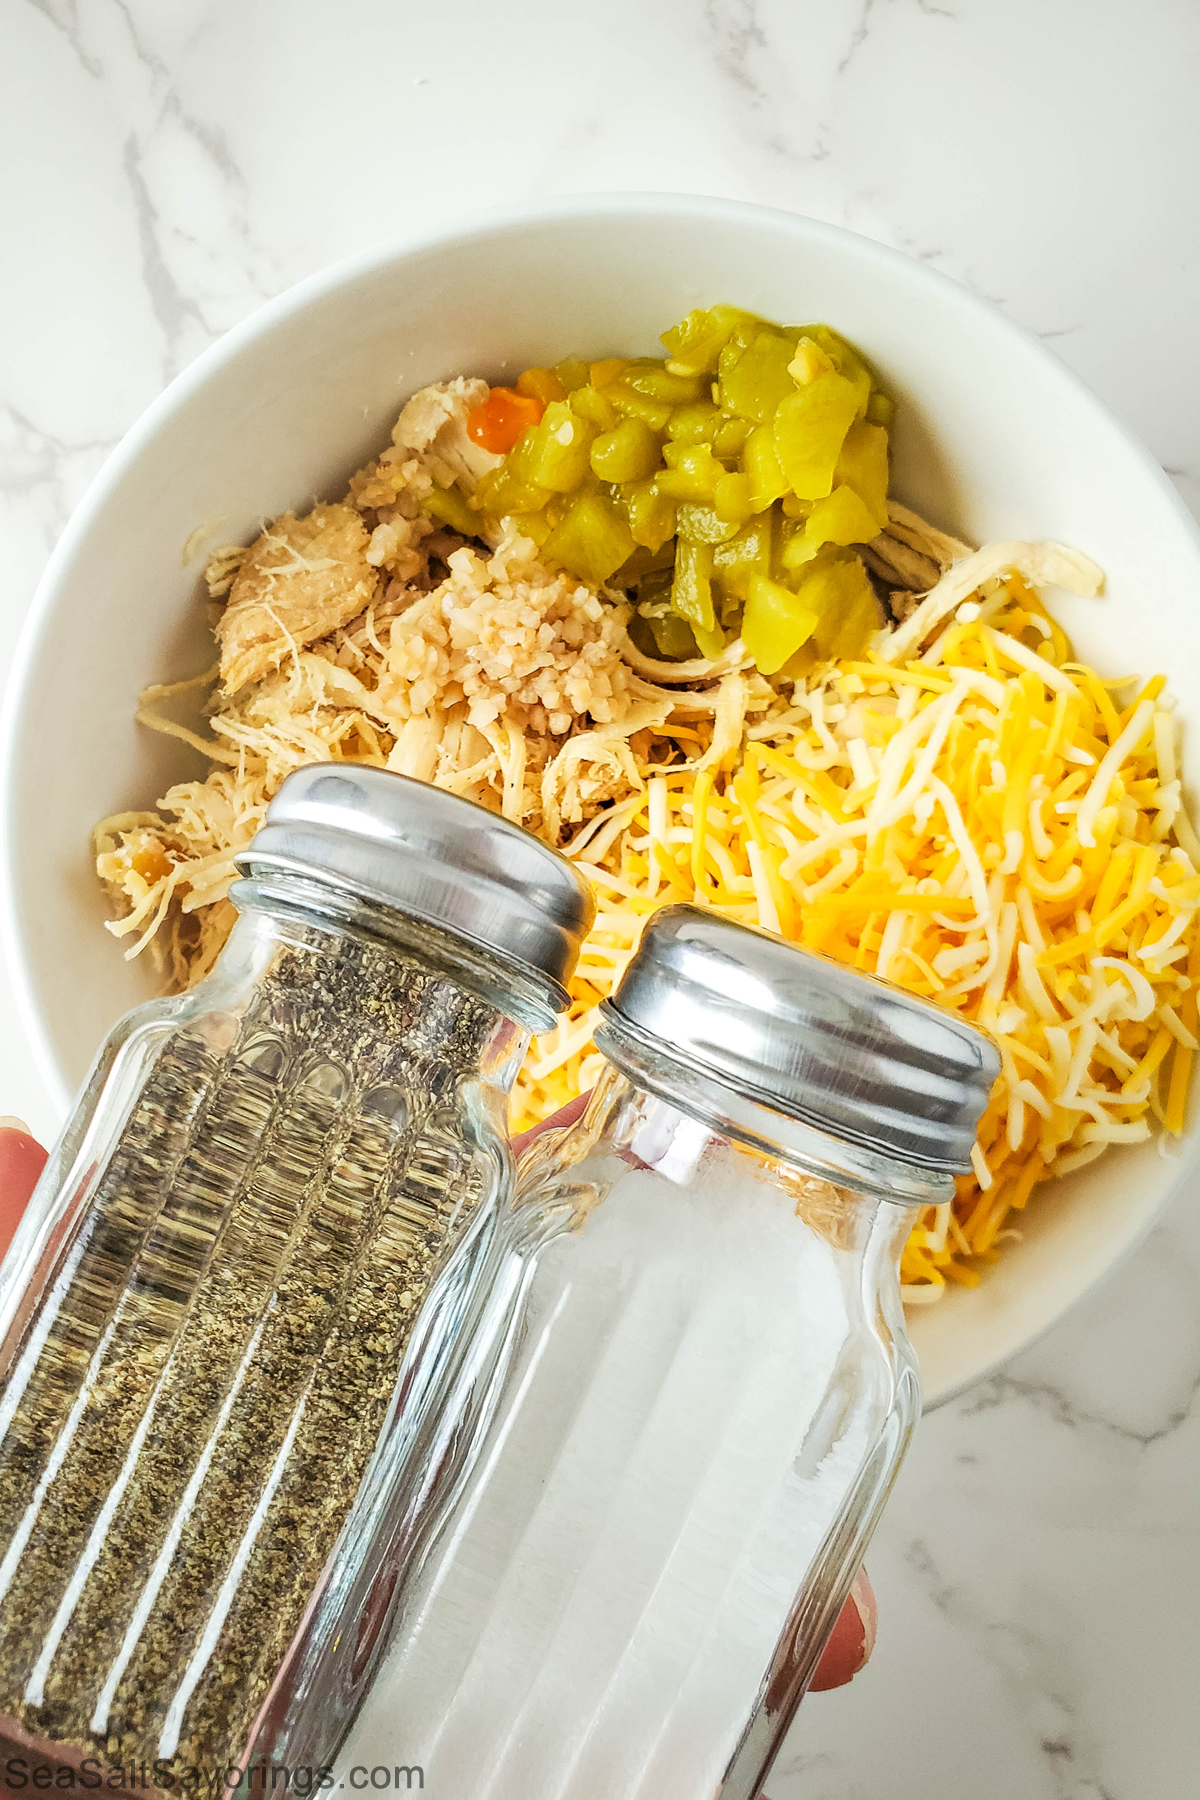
(852, 1639)
(21, 1162)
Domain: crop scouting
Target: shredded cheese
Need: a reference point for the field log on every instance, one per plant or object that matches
(936, 842)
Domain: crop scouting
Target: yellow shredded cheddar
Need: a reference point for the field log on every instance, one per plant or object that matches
(924, 822)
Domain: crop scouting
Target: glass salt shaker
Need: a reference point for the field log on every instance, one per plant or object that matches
(707, 1396)
(208, 1306)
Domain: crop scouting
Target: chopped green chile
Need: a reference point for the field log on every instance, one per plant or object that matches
(692, 472)
(842, 517)
(696, 343)
(749, 552)
(697, 423)
(776, 623)
(881, 410)
(840, 592)
(652, 514)
(724, 489)
(658, 383)
(731, 498)
(757, 379)
(631, 452)
(591, 540)
(627, 400)
(704, 525)
(862, 464)
(845, 359)
(691, 592)
(730, 436)
(591, 405)
(809, 429)
(761, 463)
(572, 372)
(450, 506)
(557, 455)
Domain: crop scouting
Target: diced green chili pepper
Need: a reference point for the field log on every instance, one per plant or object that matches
(592, 405)
(845, 359)
(731, 498)
(775, 623)
(796, 414)
(692, 472)
(863, 465)
(709, 643)
(542, 384)
(740, 340)
(535, 525)
(730, 435)
(796, 550)
(629, 453)
(761, 463)
(694, 345)
(451, 507)
(502, 491)
(590, 540)
(691, 591)
(651, 514)
(694, 424)
(728, 608)
(572, 371)
(650, 571)
(655, 413)
(602, 374)
(746, 554)
(557, 455)
(754, 384)
(838, 589)
(881, 410)
(704, 525)
(654, 588)
(657, 383)
(810, 427)
(671, 636)
(840, 518)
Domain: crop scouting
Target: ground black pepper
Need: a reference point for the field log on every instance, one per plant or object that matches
(181, 1448)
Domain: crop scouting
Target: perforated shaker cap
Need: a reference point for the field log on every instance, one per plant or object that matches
(432, 856)
(834, 1049)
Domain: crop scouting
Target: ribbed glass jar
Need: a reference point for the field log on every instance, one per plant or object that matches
(206, 1314)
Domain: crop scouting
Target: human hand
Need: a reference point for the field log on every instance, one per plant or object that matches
(853, 1637)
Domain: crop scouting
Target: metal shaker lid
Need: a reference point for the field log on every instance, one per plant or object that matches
(825, 1045)
(433, 856)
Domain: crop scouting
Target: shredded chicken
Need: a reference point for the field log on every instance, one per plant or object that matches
(300, 581)
(1053, 565)
(366, 631)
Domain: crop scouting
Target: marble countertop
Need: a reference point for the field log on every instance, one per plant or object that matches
(165, 169)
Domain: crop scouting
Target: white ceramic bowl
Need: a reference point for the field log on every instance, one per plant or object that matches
(995, 440)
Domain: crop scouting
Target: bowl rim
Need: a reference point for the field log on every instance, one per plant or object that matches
(481, 224)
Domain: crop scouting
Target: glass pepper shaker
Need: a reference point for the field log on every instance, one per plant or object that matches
(705, 1398)
(207, 1309)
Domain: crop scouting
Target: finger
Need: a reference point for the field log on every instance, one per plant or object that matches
(852, 1641)
(566, 1115)
(21, 1162)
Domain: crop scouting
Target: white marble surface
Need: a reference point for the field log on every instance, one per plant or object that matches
(165, 168)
